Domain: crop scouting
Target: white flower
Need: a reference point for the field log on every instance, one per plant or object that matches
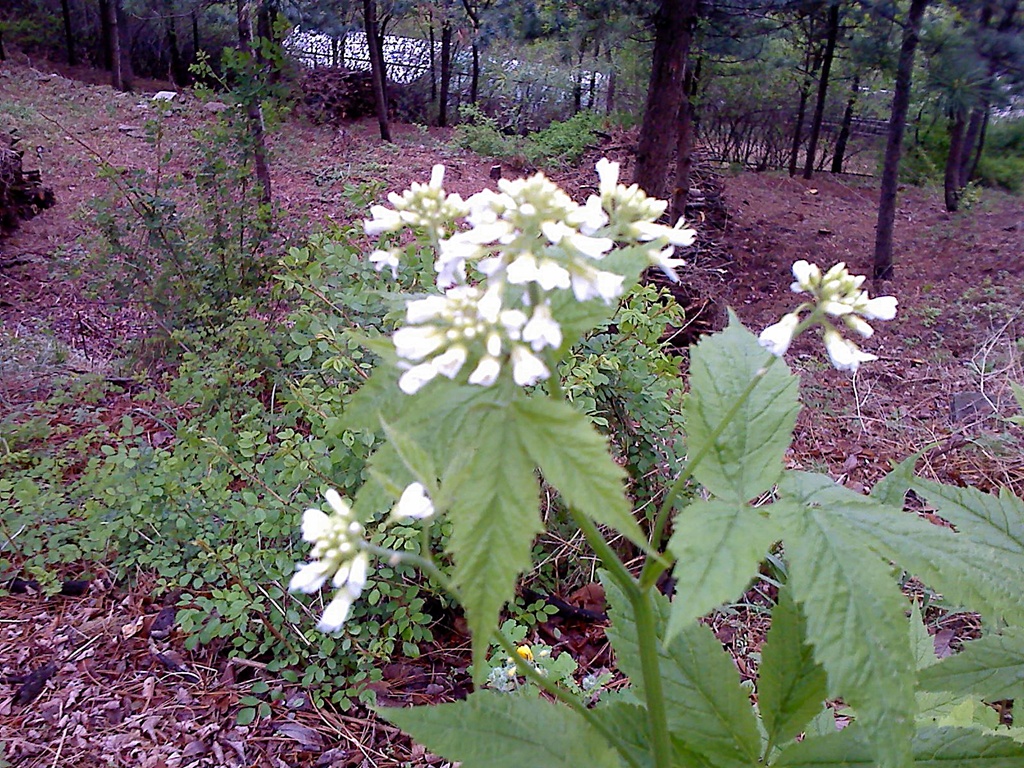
(486, 372)
(777, 338)
(381, 259)
(336, 555)
(422, 310)
(593, 284)
(807, 275)
(845, 355)
(413, 503)
(661, 258)
(590, 217)
(449, 363)
(858, 325)
(384, 220)
(415, 342)
(878, 308)
(608, 176)
(548, 274)
(437, 176)
(542, 330)
(527, 368)
(417, 377)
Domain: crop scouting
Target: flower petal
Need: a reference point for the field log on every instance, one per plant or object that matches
(414, 503)
(336, 612)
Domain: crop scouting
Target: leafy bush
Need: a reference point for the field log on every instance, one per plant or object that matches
(559, 145)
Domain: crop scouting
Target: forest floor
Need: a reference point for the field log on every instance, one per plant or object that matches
(119, 697)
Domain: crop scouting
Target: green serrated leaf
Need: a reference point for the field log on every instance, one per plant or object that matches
(991, 667)
(573, 457)
(964, 571)
(629, 722)
(708, 711)
(745, 460)
(855, 621)
(718, 546)
(495, 516)
(995, 521)
(417, 460)
(792, 685)
(495, 730)
(931, 748)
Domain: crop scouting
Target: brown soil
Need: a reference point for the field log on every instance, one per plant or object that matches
(118, 696)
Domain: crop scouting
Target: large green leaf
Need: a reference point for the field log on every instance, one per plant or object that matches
(708, 711)
(745, 460)
(495, 730)
(718, 546)
(495, 516)
(574, 457)
(995, 521)
(792, 686)
(855, 620)
(631, 725)
(992, 667)
(892, 489)
(964, 571)
(931, 747)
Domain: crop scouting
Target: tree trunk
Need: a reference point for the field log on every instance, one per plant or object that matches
(69, 33)
(117, 79)
(446, 73)
(970, 142)
(819, 106)
(954, 160)
(3, 53)
(377, 72)
(684, 157)
(195, 36)
(981, 145)
(254, 111)
(609, 99)
(883, 267)
(474, 78)
(673, 25)
(846, 127)
(179, 75)
(433, 62)
(811, 63)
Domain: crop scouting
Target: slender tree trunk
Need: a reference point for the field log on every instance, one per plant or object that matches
(254, 111)
(69, 33)
(846, 127)
(3, 53)
(819, 106)
(883, 266)
(684, 157)
(609, 99)
(474, 78)
(178, 73)
(970, 142)
(981, 145)
(117, 79)
(951, 185)
(195, 35)
(446, 73)
(810, 68)
(106, 46)
(376, 66)
(433, 63)
(673, 24)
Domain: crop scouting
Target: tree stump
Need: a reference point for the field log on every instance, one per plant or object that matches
(22, 194)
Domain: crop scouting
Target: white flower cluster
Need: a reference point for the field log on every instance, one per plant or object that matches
(527, 240)
(338, 552)
(336, 555)
(836, 293)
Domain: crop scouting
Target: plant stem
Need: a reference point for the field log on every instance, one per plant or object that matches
(654, 568)
(647, 638)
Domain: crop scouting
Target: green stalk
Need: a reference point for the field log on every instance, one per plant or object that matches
(647, 639)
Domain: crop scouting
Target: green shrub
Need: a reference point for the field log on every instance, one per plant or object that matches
(562, 144)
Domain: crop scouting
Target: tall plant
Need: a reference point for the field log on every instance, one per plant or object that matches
(473, 418)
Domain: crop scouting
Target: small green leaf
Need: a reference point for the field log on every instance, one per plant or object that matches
(792, 685)
(745, 460)
(495, 730)
(855, 620)
(892, 489)
(922, 643)
(991, 667)
(246, 715)
(931, 748)
(573, 457)
(495, 516)
(708, 711)
(718, 546)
